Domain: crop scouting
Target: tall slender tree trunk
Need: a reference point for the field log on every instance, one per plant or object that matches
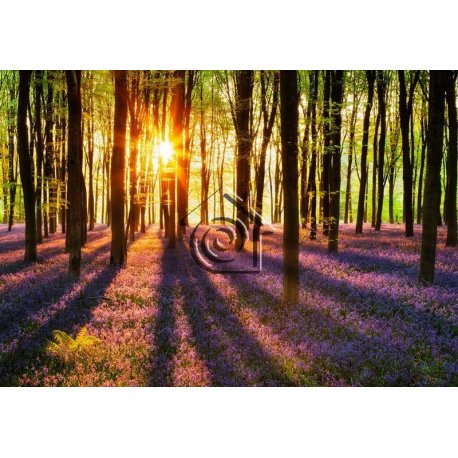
(370, 76)
(118, 254)
(75, 164)
(268, 120)
(327, 159)
(244, 91)
(49, 158)
(424, 129)
(204, 171)
(374, 170)
(176, 109)
(304, 161)
(311, 190)
(381, 88)
(25, 167)
(12, 173)
(451, 162)
(190, 84)
(39, 150)
(334, 182)
(90, 153)
(108, 175)
(178, 118)
(289, 130)
(63, 176)
(351, 146)
(437, 86)
(405, 112)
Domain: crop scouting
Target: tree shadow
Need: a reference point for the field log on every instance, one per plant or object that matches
(164, 338)
(232, 355)
(74, 314)
(361, 298)
(382, 262)
(394, 317)
(45, 253)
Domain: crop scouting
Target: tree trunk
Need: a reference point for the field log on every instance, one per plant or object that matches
(175, 166)
(75, 162)
(12, 173)
(437, 85)
(25, 167)
(178, 118)
(422, 163)
(354, 111)
(405, 112)
(289, 130)
(118, 254)
(381, 88)
(90, 153)
(39, 150)
(311, 189)
(327, 160)
(244, 93)
(49, 159)
(451, 162)
(374, 170)
(305, 156)
(336, 152)
(268, 120)
(370, 75)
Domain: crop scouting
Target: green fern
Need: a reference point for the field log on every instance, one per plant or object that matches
(64, 344)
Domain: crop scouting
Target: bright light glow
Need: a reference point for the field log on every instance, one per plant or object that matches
(165, 151)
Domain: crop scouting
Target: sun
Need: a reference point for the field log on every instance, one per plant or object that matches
(165, 151)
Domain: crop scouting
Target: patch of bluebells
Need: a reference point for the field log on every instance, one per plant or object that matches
(362, 319)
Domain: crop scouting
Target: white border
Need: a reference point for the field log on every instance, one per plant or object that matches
(228, 422)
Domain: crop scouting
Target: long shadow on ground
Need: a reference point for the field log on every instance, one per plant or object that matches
(232, 355)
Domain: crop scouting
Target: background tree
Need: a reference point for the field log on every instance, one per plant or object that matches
(381, 91)
(289, 98)
(244, 82)
(337, 83)
(118, 165)
(25, 167)
(268, 119)
(405, 113)
(370, 76)
(75, 163)
(437, 86)
(451, 187)
(311, 187)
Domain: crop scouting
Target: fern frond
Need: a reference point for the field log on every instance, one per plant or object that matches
(62, 339)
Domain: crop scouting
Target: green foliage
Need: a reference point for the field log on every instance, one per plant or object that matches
(64, 346)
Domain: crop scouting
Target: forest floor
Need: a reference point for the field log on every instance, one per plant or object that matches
(363, 318)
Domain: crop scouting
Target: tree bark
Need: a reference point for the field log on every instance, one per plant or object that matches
(75, 162)
(311, 188)
(25, 167)
(118, 254)
(178, 118)
(336, 152)
(381, 88)
(451, 162)
(289, 131)
(437, 85)
(370, 76)
(39, 149)
(327, 159)
(268, 124)
(405, 112)
(12, 170)
(244, 93)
